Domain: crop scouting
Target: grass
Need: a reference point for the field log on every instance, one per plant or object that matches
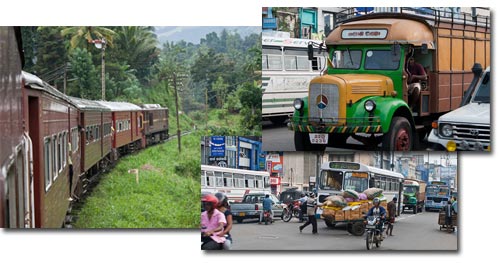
(167, 195)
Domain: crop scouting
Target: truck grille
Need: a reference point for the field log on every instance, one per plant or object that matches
(471, 134)
(323, 103)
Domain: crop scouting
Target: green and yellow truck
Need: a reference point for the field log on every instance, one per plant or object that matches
(414, 195)
(364, 92)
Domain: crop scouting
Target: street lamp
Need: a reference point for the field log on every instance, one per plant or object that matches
(101, 44)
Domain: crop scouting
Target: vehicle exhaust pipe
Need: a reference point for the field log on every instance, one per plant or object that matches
(477, 69)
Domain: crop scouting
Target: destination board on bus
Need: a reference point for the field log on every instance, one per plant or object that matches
(344, 166)
(360, 175)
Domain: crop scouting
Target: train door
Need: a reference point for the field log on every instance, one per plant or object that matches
(33, 119)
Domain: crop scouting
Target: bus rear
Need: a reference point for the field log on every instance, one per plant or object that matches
(437, 196)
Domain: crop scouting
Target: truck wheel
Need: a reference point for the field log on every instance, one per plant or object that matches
(239, 220)
(329, 223)
(399, 137)
(302, 143)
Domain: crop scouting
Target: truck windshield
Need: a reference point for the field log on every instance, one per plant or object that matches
(482, 94)
(347, 59)
(410, 190)
(381, 60)
(331, 180)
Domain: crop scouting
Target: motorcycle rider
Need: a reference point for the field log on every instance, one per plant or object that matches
(267, 206)
(378, 211)
(212, 223)
(223, 207)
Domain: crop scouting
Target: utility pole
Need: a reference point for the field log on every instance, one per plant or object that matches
(206, 107)
(177, 113)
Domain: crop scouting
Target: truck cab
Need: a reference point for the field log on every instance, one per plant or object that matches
(468, 127)
(367, 92)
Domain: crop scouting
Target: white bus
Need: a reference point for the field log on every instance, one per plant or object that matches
(286, 72)
(336, 177)
(233, 182)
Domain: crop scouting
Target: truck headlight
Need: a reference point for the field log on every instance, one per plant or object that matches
(446, 130)
(370, 105)
(298, 104)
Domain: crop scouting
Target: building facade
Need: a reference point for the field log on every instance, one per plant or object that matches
(233, 152)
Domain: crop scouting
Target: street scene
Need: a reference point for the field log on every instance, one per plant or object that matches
(260, 197)
(411, 232)
(383, 78)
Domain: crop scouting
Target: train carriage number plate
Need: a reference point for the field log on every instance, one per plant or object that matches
(318, 138)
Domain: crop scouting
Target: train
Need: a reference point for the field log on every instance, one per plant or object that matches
(52, 145)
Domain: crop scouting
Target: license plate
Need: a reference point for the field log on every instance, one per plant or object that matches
(318, 138)
(242, 214)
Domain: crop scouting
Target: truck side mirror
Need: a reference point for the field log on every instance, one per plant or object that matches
(310, 51)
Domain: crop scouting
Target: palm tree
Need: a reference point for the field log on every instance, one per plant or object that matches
(82, 36)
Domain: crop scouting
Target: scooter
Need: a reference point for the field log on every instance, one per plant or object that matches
(267, 217)
(374, 227)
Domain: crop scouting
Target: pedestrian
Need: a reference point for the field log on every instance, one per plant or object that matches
(267, 205)
(212, 223)
(454, 205)
(312, 205)
(448, 212)
(223, 207)
(303, 207)
(70, 173)
(391, 218)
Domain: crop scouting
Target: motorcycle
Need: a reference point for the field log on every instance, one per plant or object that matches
(208, 244)
(292, 210)
(374, 227)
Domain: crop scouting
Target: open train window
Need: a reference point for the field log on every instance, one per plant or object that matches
(48, 157)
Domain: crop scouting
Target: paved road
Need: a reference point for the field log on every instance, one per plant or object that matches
(411, 232)
(279, 138)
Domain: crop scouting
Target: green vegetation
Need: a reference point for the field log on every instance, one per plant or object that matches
(222, 72)
(167, 195)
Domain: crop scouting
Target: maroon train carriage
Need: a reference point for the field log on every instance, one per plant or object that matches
(96, 141)
(127, 126)
(155, 123)
(16, 184)
(49, 118)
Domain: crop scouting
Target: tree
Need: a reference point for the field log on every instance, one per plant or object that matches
(220, 89)
(86, 81)
(250, 96)
(82, 36)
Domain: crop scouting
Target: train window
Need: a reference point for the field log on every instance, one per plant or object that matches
(60, 156)
(150, 119)
(97, 134)
(74, 139)
(46, 150)
(87, 135)
(119, 126)
(128, 124)
(54, 159)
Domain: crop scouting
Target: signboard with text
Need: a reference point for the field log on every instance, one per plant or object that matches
(217, 146)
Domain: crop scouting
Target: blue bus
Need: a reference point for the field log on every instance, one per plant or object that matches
(437, 195)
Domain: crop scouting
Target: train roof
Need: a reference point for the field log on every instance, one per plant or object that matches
(36, 83)
(119, 106)
(85, 104)
(152, 106)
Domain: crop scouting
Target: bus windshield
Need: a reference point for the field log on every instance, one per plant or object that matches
(437, 190)
(356, 181)
(331, 180)
(381, 59)
(410, 190)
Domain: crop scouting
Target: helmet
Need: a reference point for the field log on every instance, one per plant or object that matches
(210, 199)
(311, 194)
(221, 197)
(376, 200)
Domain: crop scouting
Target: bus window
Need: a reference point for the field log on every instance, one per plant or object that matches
(203, 178)
(347, 59)
(377, 59)
(331, 180)
(218, 177)
(238, 180)
(228, 181)
(258, 182)
(382, 184)
(272, 59)
(296, 60)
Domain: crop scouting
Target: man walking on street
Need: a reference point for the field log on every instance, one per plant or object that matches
(391, 207)
(311, 214)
